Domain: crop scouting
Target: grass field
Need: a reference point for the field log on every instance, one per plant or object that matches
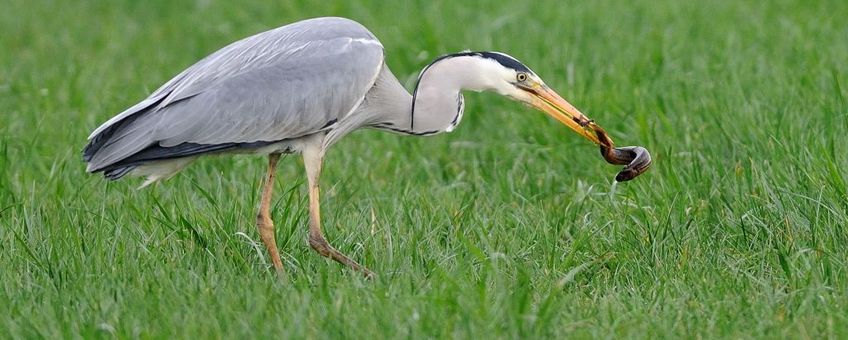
(509, 227)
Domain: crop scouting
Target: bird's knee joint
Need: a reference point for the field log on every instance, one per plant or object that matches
(264, 222)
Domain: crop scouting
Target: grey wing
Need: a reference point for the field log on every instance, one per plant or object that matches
(281, 84)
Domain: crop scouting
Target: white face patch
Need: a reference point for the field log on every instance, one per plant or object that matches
(438, 105)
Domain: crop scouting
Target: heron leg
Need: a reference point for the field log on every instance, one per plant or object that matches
(312, 159)
(263, 218)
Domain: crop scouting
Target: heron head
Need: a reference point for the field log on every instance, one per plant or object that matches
(517, 81)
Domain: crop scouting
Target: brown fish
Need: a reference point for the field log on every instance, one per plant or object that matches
(636, 159)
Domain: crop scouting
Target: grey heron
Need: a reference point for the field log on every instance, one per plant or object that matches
(300, 88)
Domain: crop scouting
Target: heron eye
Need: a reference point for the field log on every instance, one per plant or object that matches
(521, 76)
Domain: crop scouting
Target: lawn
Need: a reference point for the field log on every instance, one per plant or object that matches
(509, 227)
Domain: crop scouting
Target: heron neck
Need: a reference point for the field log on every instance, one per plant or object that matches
(436, 104)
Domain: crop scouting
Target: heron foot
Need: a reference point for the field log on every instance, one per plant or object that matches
(322, 247)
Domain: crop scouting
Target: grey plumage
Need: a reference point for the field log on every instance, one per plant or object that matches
(303, 85)
(282, 84)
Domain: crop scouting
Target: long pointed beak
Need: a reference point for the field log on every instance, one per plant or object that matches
(548, 101)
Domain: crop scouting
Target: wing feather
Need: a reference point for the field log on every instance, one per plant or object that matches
(280, 84)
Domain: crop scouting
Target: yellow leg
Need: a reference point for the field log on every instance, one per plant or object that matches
(263, 219)
(312, 159)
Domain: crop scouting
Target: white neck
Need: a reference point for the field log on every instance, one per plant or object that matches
(437, 103)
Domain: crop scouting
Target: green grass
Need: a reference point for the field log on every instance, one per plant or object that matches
(510, 227)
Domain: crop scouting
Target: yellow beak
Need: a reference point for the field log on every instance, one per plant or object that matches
(548, 101)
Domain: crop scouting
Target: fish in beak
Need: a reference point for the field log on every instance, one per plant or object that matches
(636, 159)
